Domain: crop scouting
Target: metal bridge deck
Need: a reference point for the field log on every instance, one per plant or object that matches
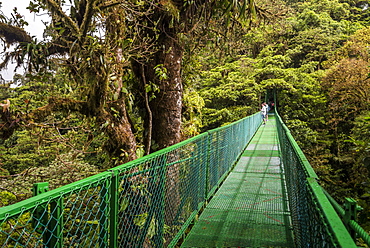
(251, 207)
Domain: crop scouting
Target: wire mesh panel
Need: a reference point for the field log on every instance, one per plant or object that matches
(157, 197)
(148, 202)
(226, 145)
(314, 220)
(75, 215)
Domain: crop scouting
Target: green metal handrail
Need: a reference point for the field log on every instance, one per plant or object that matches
(314, 220)
(148, 202)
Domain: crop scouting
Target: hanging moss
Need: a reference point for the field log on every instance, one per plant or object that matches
(13, 34)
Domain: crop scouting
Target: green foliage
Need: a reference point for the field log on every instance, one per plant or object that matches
(7, 198)
(359, 140)
(64, 169)
(22, 151)
(40, 145)
(336, 10)
(192, 115)
(229, 93)
(359, 11)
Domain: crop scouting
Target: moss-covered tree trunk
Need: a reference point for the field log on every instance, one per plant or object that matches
(163, 69)
(122, 142)
(166, 106)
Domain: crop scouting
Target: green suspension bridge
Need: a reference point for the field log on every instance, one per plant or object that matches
(241, 185)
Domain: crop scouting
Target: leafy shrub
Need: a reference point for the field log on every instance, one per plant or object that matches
(65, 169)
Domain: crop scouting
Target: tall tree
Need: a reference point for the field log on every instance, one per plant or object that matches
(95, 64)
(167, 25)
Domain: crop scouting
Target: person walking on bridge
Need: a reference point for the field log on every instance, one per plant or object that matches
(264, 108)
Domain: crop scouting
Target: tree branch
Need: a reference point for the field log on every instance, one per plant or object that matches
(55, 8)
(89, 12)
(150, 116)
(8, 123)
(13, 34)
(59, 104)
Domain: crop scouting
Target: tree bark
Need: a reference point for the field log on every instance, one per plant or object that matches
(167, 105)
(122, 142)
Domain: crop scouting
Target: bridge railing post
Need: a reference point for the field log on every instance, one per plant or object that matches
(49, 221)
(40, 217)
(208, 164)
(350, 213)
(55, 225)
(113, 215)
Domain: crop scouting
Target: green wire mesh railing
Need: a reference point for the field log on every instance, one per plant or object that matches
(314, 220)
(148, 202)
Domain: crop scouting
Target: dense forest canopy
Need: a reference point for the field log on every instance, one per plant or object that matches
(115, 80)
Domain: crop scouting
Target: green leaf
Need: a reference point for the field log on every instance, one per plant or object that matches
(124, 204)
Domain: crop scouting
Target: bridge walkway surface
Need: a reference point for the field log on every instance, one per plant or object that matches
(250, 209)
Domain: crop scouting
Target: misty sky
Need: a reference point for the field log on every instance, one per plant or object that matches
(35, 27)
